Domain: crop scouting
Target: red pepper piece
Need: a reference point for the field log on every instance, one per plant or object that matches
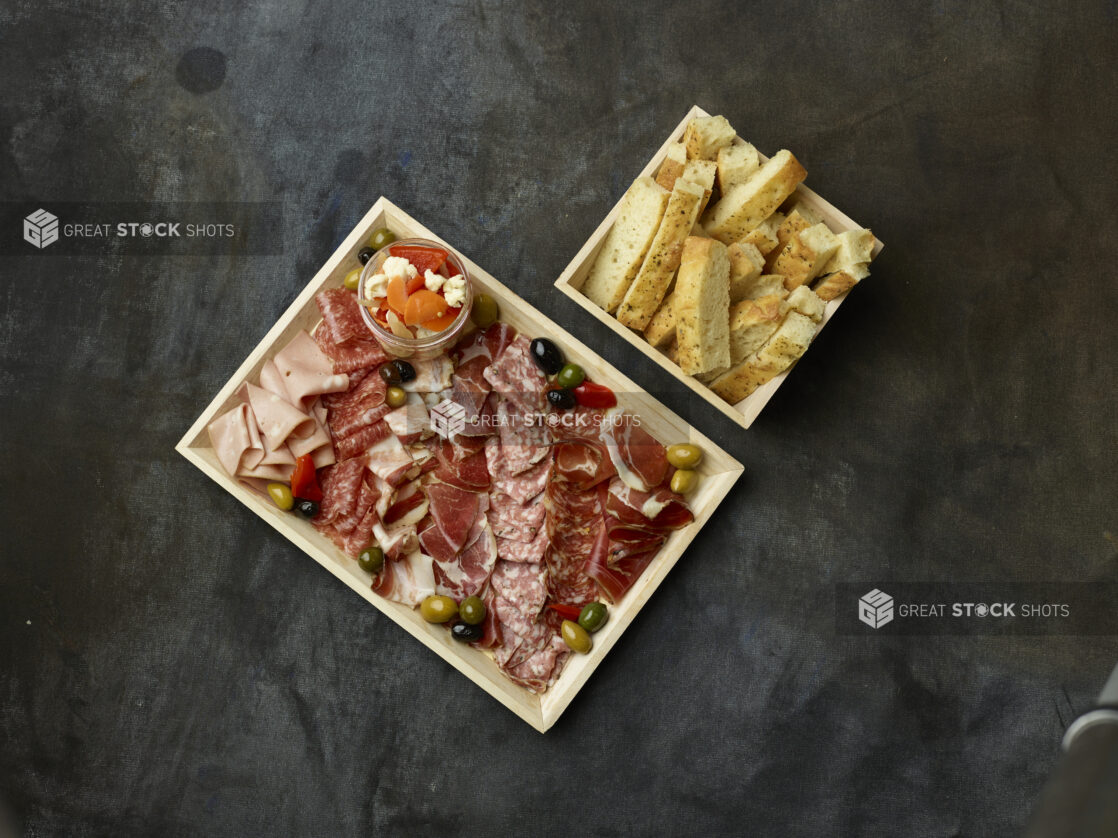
(590, 394)
(304, 482)
(423, 258)
(567, 612)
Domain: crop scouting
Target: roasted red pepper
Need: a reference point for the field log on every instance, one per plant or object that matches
(567, 612)
(304, 483)
(423, 258)
(590, 394)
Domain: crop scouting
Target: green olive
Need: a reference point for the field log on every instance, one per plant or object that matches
(570, 376)
(593, 616)
(281, 496)
(352, 279)
(484, 312)
(576, 637)
(396, 396)
(381, 238)
(685, 455)
(472, 610)
(371, 559)
(438, 609)
(684, 481)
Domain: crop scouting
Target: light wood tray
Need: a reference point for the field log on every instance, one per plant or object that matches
(571, 280)
(719, 470)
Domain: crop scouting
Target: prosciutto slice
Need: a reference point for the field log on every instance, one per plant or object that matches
(408, 580)
(468, 572)
(640, 459)
(582, 464)
(454, 512)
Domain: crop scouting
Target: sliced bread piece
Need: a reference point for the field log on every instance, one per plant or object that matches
(746, 263)
(672, 167)
(701, 172)
(650, 285)
(799, 218)
(626, 244)
(672, 351)
(764, 236)
(705, 135)
(661, 328)
(763, 286)
(805, 301)
(806, 254)
(736, 162)
(701, 306)
(787, 344)
(854, 246)
(752, 323)
(747, 204)
(838, 283)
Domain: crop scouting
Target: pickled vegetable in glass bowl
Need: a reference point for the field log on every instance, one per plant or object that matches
(415, 297)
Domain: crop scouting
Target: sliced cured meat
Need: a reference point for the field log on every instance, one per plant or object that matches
(469, 387)
(640, 459)
(468, 572)
(484, 424)
(581, 423)
(397, 540)
(409, 505)
(409, 421)
(488, 344)
(525, 440)
(236, 439)
(517, 377)
(363, 439)
(523, 584)
(514, 520)
(408, 580)
(454, 511)
(435, 543)
(388, 459)
(522, 487)
(431, 376)
(575, 522)
(471, 472)
(523, 551)
(657, 511)
(305, 371)
(341, 316)
(583, 464)
(363, 388)
(540, 669)
(522, 634)
(361, 534)
(491, 628)
(341, 486)
(345, 422)
(366, 501)
(272, 381)
(352, 356)
(616, 578)
(276, 418)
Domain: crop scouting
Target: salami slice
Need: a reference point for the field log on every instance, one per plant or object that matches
(523, 551)
(525, 440)
(363, 439)
(341, 486)
(514, 520)
(518, 378)
(341, 315)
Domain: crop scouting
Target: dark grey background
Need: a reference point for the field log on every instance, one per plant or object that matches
(171, 666)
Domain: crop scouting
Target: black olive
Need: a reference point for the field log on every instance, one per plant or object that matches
(306, 508)
(365, 254)
(547, 355)
(467, 633)
(390, 374)
(561, 399)
(406, 370)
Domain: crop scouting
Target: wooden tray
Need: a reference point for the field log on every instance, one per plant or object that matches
(719, 471)
(571, 280)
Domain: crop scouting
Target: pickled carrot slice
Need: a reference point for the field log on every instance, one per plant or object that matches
(422, 306)
(397, 294)
(437, 324)
(415, 283)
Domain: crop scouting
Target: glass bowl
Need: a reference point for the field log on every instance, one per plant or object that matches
(429, 346)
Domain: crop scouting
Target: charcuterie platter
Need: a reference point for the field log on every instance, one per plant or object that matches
(518, 554)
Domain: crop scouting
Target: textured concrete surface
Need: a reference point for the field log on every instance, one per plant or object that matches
(170, 666)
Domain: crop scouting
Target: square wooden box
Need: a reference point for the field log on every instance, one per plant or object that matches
(571, 280)
(720, 471)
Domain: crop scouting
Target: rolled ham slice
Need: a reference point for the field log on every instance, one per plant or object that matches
(236, 439)
(276, 418)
